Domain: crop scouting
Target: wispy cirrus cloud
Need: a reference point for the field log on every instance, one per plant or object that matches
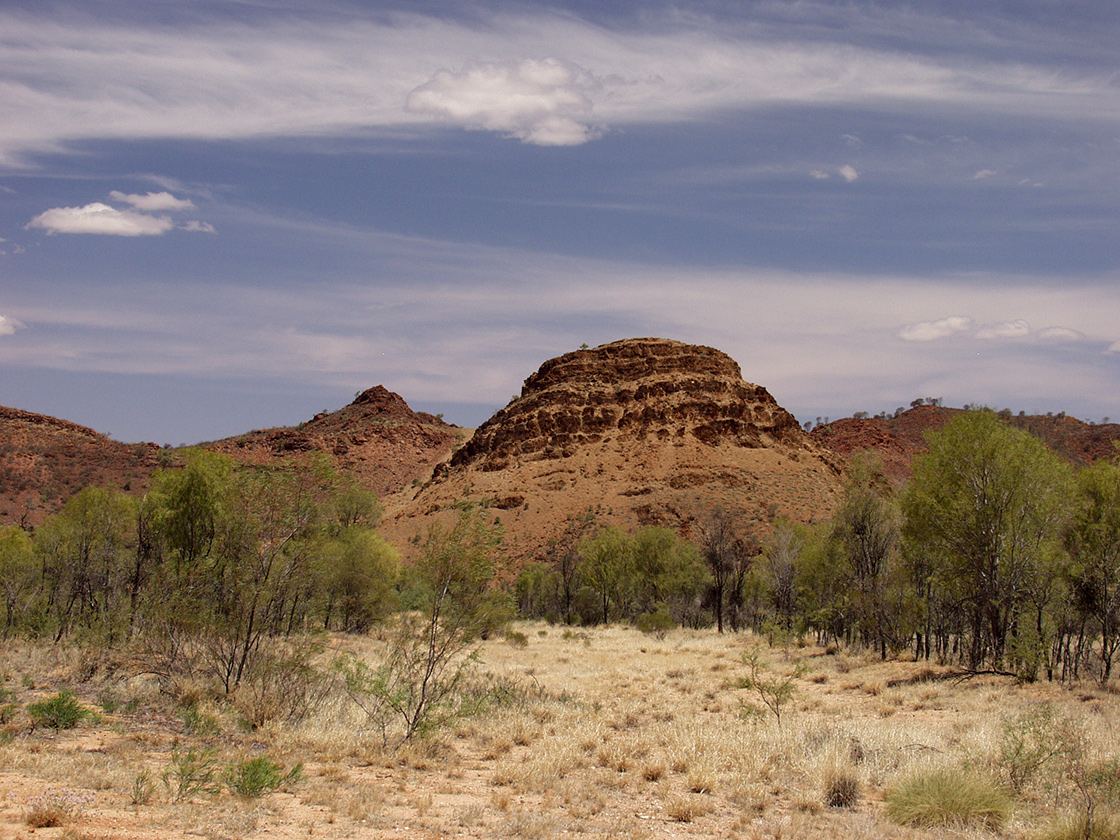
(153, 202)
(533, 75)
(934, 330)
(1011, 330)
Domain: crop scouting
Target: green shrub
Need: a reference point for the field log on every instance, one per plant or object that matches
(658, 621)
(190, 773)
(948, 797)
(62, 711)
(256, 776)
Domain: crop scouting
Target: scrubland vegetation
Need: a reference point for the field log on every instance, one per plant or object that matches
(239, 652)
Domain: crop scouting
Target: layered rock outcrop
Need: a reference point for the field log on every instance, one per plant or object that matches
(639, 431)
(628, 391)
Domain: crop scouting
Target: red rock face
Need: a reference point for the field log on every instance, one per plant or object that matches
(636, 432)
(377, 438)
(629, 390)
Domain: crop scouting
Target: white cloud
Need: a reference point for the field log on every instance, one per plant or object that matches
(69, 78)
(8, 325)
(848, 173)
(820, 175)
(1005, 329)
(934, 330)
(1059, 335)
(984, 174)
(540, 102)
(102, 219)
(153, 202)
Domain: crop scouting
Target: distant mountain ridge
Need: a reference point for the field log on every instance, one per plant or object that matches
(640, 430)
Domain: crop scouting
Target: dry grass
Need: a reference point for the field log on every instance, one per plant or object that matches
(610, 734)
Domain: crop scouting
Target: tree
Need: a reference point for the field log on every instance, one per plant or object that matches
(86, 552)
(779, 570)
(985, 505)
(361, 571)
(417, 686)
(1093, 540)
(865, 534)
(728, 556)
(667, 570)
(607, 567)
(17, 571)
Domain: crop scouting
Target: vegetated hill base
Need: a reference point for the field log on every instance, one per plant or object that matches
(636, 432)
(576, 733)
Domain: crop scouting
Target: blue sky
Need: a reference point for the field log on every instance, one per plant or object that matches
(220, 216)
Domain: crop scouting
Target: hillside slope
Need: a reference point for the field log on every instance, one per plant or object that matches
(640, 431)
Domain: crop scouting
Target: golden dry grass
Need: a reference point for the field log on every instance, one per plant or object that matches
(612, 734)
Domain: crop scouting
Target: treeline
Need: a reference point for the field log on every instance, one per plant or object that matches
(212, 562)
(996, 555)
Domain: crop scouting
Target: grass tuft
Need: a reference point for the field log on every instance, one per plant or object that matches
(948, 798)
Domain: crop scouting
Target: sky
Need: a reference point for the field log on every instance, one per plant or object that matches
(225, 215)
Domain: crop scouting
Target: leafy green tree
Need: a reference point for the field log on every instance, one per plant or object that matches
(608, 567)
(18, 572)
(1093, 540)
(362, 571)
(667, 570)
(984, 507)
(539, 591)
(865, 535)
(86, 553)
(418, 686)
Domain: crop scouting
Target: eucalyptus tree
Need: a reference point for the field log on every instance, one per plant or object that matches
(1093, 540)
(984, 510)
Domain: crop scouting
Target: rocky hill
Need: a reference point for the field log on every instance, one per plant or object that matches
(639, 431)
(377, 438)
(896, 440)
(44, 461)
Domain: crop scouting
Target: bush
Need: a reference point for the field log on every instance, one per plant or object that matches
(658, 621)
(190, 773)
(255, 776)
(54, 807)
(948, 797)
(841, 788)
(63, 711)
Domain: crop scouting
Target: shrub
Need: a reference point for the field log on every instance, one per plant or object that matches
(948, 797)
(658, 621)
(8, 706)
(1028, 742)
(774, 690)
(62, 711)
(255, 776)
(841, 787)
(55, 807)
(190, 773)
